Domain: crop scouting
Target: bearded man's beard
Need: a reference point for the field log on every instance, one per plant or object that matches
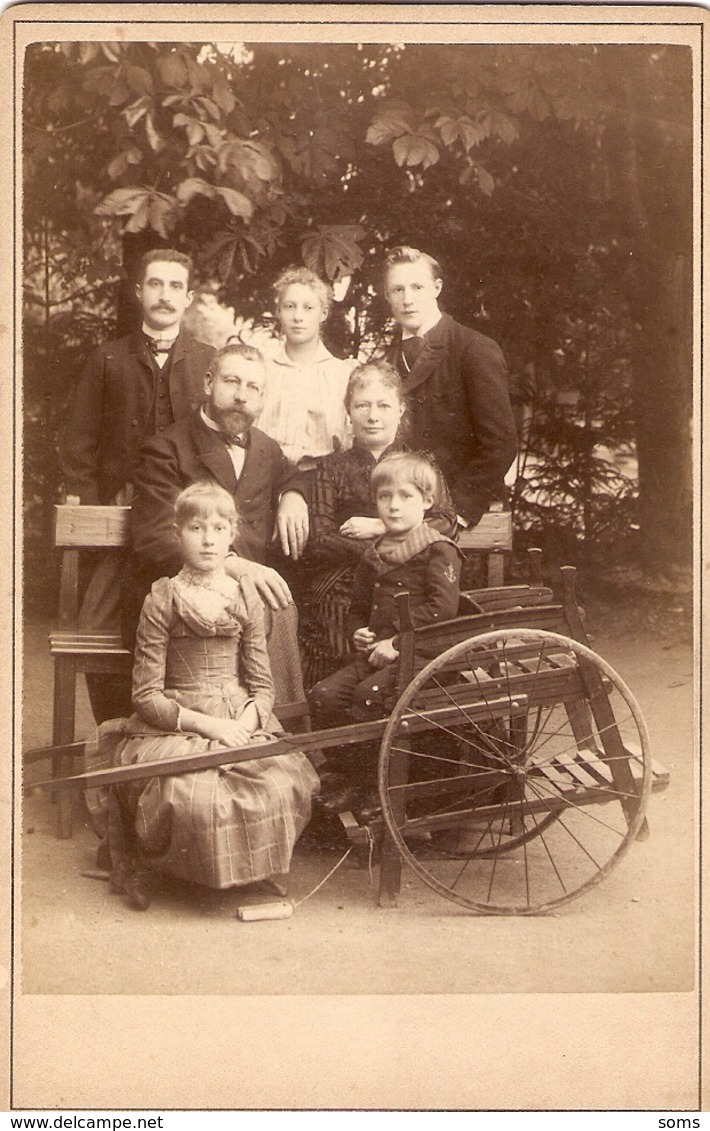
(233, 422)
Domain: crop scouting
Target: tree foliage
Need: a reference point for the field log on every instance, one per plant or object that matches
(527, 170)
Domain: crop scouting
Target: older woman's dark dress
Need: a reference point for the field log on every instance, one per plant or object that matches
(342, 491)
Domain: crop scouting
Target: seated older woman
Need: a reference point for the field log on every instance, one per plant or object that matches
(344, 517)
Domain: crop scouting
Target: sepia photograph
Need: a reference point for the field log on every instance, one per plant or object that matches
(357, 513)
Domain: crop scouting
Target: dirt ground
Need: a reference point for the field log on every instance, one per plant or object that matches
(633, 932)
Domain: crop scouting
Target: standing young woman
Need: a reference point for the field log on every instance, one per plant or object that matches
(344, 518)
(305, 387)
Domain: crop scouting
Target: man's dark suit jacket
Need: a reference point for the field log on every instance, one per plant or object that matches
(459, 409)
(112, 411)
(188, 452)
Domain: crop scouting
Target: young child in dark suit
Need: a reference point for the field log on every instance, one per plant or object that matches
(411, 555)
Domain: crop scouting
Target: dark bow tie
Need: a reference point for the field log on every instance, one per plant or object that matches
(411, 349)
(240, 441)
(158, 345)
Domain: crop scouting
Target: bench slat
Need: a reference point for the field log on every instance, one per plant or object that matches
(91, 527)
(77, 643)
(494, 531)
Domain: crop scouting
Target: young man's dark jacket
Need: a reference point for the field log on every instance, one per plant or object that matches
(189, 452)
(113, 410)
(459, 409)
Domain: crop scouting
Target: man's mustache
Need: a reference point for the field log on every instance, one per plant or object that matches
(164, 306)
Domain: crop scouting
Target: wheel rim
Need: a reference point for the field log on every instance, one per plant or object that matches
(528, 771)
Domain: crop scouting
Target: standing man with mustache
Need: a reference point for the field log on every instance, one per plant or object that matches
(134, 387)
(130, 389)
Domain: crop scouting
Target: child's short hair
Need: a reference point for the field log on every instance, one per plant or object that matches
(201, 499)
(410, 467)
(306, 278)
(166, 255)
(404, 254)
(387, 374)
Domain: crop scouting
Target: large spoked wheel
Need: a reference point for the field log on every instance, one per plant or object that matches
(514, 771)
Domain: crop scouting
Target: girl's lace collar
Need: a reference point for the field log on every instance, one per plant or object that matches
(210, 604)
(217, 582)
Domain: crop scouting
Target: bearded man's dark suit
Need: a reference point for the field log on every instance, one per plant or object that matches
(190, 452)
(118, 403)
(459, 409)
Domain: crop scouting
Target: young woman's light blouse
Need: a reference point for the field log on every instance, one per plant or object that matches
(303, 404)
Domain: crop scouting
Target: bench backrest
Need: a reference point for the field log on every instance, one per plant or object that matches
(92, 527)
(490, 539)
(84, 528)
(492, 533)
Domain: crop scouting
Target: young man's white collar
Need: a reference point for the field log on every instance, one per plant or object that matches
(424, 328)
(169, 334)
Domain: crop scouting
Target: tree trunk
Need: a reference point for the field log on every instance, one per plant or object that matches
(656, 183)
(663, 398)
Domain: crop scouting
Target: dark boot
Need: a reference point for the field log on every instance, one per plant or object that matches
(139, 889)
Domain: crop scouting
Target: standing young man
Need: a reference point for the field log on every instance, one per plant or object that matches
(456, 383)
(134, 387)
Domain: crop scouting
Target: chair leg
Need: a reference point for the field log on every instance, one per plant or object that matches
(390, 859)
(63, 733)
(495, 570)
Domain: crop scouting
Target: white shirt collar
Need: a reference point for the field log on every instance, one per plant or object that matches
(168, 335)
(423, 329)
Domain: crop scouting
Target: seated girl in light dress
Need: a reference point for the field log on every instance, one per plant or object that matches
(201, 680)
(305, 386)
